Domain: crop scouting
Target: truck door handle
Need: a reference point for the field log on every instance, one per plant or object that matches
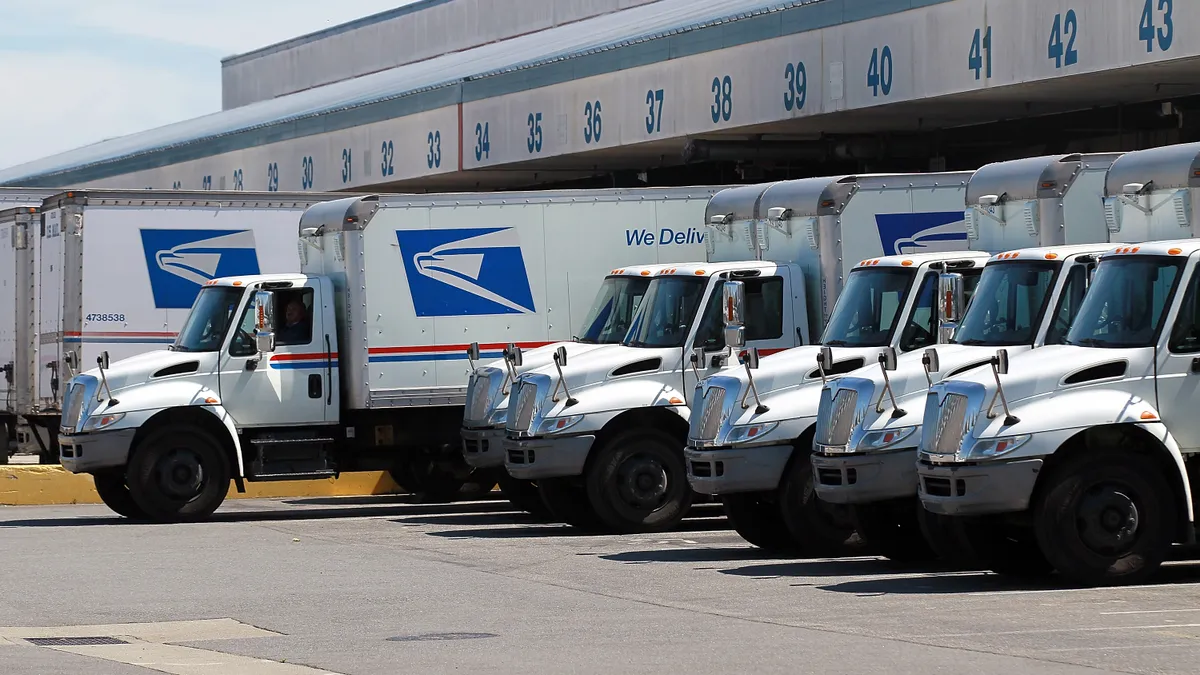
(314, 386)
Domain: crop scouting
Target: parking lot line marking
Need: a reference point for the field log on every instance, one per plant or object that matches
(1153, 611)
(1088, 629)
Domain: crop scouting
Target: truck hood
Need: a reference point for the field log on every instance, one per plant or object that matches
(795, 368)
(612, 362)
(544, 355)
(1042, 371)
(910, 385)
(488, 390)
(153, 366)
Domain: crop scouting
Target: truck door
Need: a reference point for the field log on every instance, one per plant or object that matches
(768, 319)
(1179, 368)
(297, 383)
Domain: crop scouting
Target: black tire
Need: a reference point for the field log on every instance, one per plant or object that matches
(427, 480)
(1005, 548)
(113, 491)
(178, 474)
(893, 529)
(756, 517)
(823, 529)
(567, 501)
(1107, 518)
(638, 482)
(945, 538)
(524, 495)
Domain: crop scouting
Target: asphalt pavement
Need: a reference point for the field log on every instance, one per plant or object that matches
(381, 585)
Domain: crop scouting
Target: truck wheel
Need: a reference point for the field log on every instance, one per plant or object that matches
(893, 529)
(1010, 550)
(524, 495)
(759, 522)
(567, 501)
(822, 528)
(945, 538)
(427, 480)
(1106, 519)
(110, 485)
(178, 474)
(638, 482)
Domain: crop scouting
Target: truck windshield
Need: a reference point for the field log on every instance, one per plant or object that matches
(213, 311)
(608, 320)
(1008, 304)
(869, 307)
(1126, 303)
(667, 312)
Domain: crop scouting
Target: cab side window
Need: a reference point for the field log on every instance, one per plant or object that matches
(921, 331)
(1185, 334)
(1068, 306)
(763, 314)
(293, 317)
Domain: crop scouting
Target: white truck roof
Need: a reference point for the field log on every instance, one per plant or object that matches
(1176, 247)
(1051, 252)
(917, 259)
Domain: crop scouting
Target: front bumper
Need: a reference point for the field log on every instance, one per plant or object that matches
(483, 448)
(980, 489)
(533, 458)
(865, 478)
(80, 453)
(729, 470)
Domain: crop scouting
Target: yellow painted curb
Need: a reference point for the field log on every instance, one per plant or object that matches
(39, 485)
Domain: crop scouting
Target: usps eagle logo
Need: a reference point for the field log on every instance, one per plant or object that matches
(466, 272)
(179, 262)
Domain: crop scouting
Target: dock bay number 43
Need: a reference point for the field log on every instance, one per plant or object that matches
(1164, 34)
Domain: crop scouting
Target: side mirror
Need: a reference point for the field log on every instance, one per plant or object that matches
(560, 357)
(699, 354)
(888, 358)
(102, 360)
(1002, 361)
(735, 337)
(950, 304)
(512, 354)
(473, 351)
(825, 357)
(264, 321)
(751, 359)
(930, 359)
(733, 302)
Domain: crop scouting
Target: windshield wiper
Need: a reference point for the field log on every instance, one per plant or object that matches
(835, 343)
(178, 348)
(973, 342)
(1090, 342)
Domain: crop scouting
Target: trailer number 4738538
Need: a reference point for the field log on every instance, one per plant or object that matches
(100, 318)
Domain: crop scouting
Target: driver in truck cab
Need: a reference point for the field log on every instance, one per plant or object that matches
(295, 330)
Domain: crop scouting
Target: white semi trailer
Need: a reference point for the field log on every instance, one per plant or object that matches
(1043, 212)
(358, 362)
(18, 232)
(1080, 457)
(603, 435)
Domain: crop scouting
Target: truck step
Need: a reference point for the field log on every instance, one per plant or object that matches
(306, 475)
(290, 441)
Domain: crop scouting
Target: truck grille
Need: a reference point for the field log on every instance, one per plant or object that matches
(520, 408)
(707, 424)
(951, 419)
(835, 416)
(73, 407)
(477, 397)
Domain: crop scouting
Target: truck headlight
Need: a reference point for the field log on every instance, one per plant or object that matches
(990, 448)
(553, 425)
(98, 422)
(749, 432)
(884, 438)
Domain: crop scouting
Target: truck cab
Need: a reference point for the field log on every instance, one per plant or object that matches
(604, 428)
(242, 393)
(1048, 213)
(1080, 458)
(606, 323)
(753, 428)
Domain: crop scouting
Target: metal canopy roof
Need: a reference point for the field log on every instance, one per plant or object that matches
(657, 20)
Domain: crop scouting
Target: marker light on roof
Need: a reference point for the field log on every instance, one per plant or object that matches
(1051, 256)
(1175, 251)
(906, 263)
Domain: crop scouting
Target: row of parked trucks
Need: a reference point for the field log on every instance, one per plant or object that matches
(609, 356)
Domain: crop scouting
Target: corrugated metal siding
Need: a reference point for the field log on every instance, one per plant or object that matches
(390, 39)
(596, 45)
